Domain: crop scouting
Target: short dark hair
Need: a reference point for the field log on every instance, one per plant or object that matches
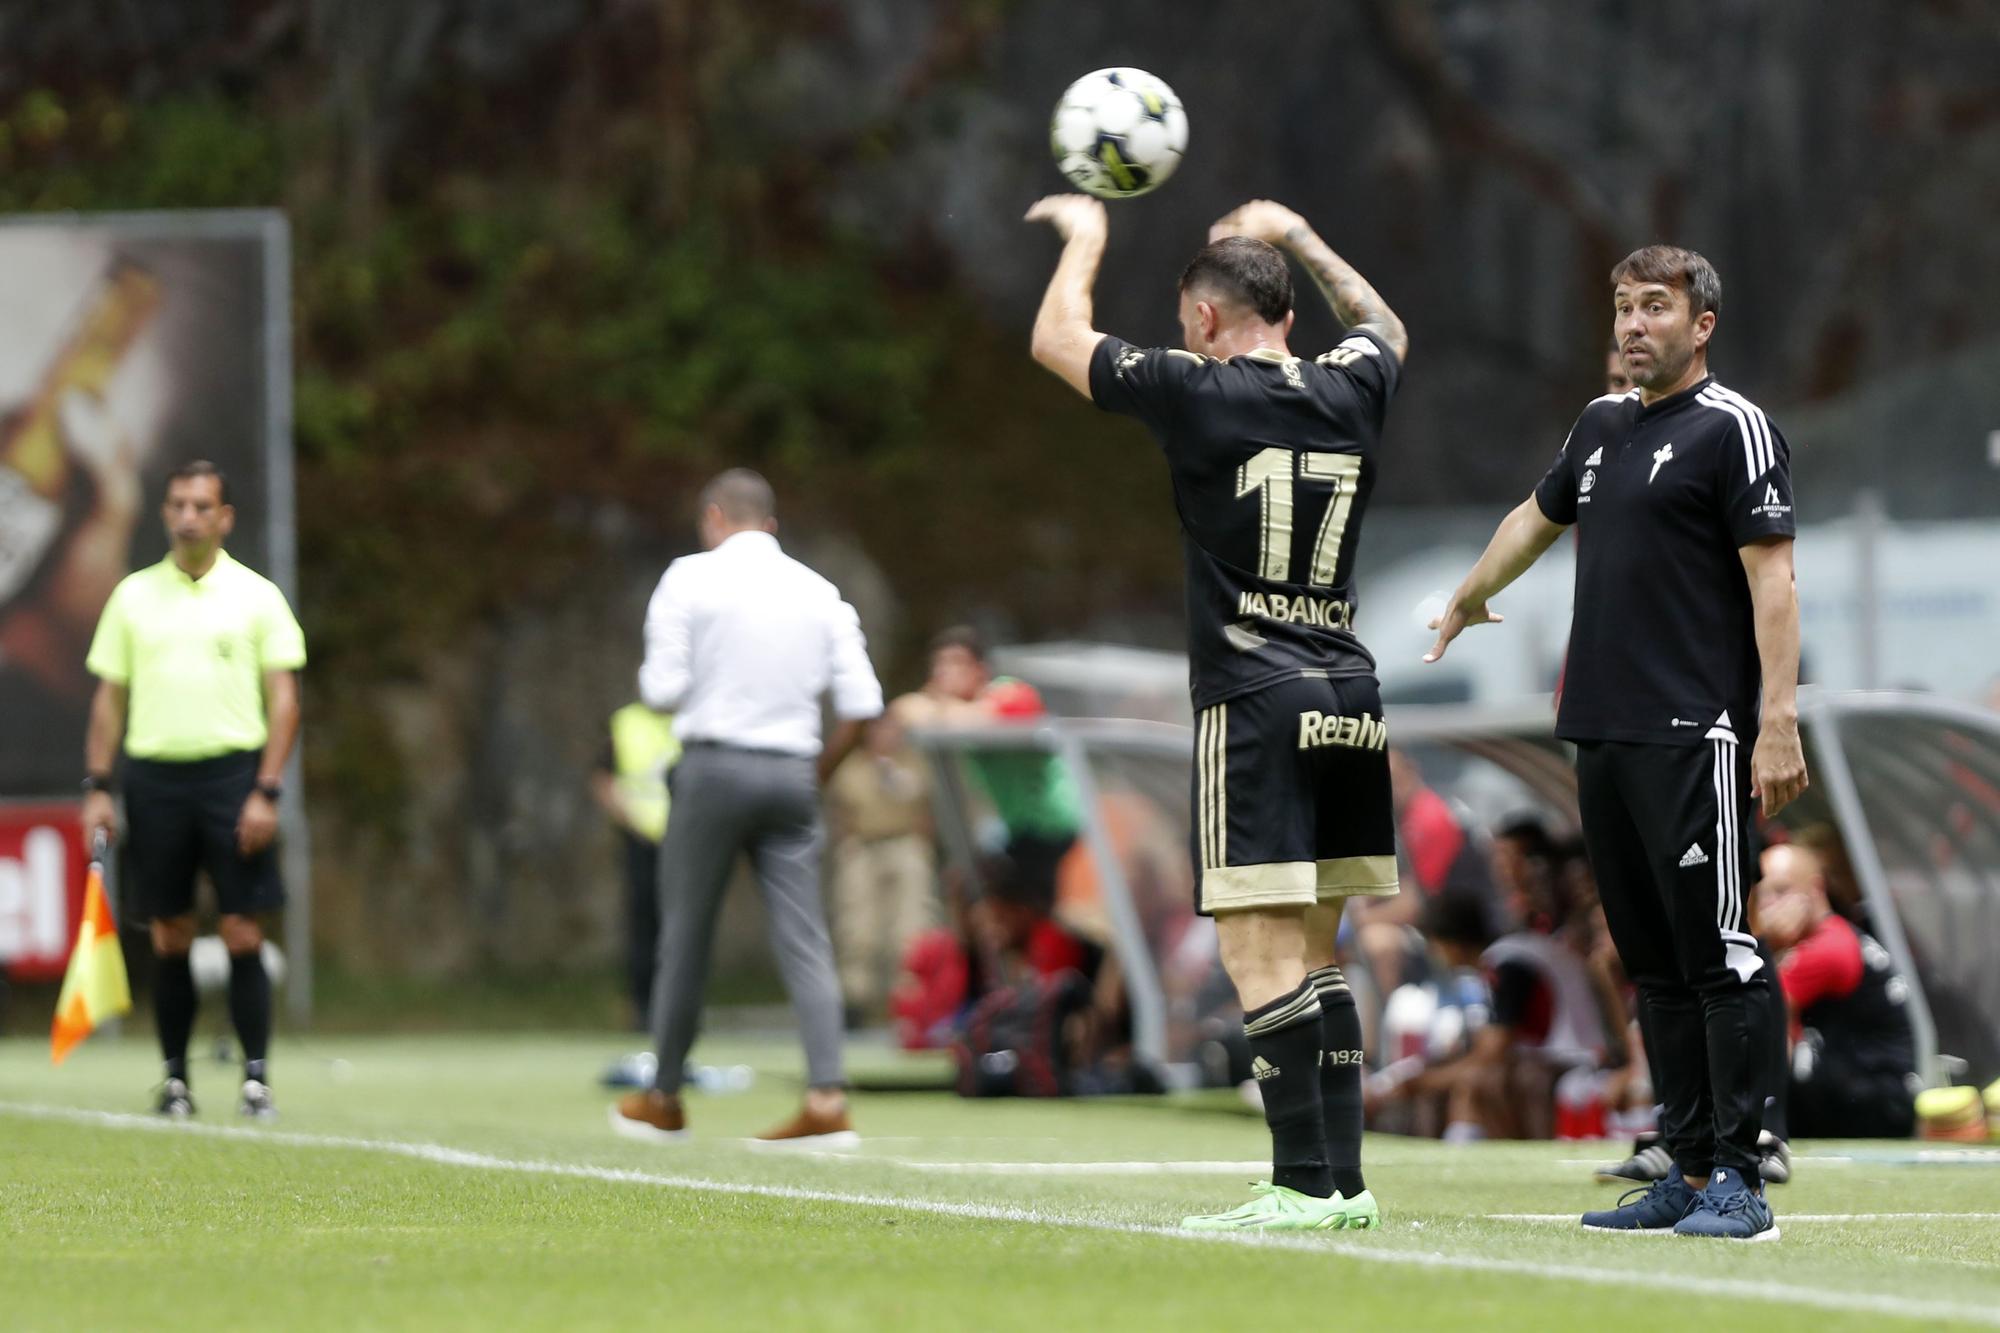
(1245, 271)
(743, 496)
(1528, 830)
(201, 467)
(1671, 266)
(959, 636)
(1457, 916)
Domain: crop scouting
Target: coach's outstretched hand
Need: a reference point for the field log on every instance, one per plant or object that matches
(1456, 618)
(1070, 214)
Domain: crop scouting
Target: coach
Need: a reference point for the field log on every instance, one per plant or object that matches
(741, 644)
(194, 659)
(1680, 697)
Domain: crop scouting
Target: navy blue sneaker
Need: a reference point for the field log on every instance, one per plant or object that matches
(1656, 1207)
(1729, 1210)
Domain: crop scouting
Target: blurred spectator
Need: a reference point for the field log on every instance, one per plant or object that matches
(1030, 789)
(1029, 1007)
(1854, 1056)
(884, 872)
(1843, 889)
(1438, 850)
(630, 783)
(1525, 865)
(1616, 378)
(1001, 931)
(1541, 1022)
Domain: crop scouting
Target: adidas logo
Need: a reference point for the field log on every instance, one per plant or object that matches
(1596, 457)
(1261, 1069)
(1694, 856)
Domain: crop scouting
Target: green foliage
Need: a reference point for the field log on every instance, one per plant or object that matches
(96, 152)
(482, 355)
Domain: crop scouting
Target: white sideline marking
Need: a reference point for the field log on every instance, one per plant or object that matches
(1622, 1277)
(1254, 1170)
(1786, 1218)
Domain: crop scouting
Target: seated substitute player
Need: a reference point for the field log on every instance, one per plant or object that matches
(1853, 1058)
(1272, 459)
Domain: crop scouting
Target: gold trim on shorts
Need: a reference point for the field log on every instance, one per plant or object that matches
(1297, 883)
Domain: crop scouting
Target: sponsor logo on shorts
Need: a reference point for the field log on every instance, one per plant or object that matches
(1693, 856)
(1357, 733)
(1261, 1069)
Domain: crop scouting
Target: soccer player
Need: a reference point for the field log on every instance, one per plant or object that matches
(1272, 459)
(196, 660)
(1680, 697)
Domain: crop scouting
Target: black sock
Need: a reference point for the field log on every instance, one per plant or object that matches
(1340, 1078)
(173, 1010)
(250, 1003)
(1284, 1049)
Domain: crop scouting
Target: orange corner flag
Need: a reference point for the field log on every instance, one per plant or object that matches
(94, 989)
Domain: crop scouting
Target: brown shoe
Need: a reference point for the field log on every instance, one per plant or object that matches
(650, 1115)
(810, 1129)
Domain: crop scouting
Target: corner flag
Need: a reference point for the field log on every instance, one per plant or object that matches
(94, 988)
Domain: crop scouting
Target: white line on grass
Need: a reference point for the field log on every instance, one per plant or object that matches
(1785, 1219)
(1253, 1170)
(1622, 1277)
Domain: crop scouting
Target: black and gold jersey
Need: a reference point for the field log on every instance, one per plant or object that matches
(1273, 459)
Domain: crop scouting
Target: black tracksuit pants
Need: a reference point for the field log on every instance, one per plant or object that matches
(1668, 831)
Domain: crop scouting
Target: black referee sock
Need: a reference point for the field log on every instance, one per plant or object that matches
(250, 1003)
(173, 1010)
(1340, 1078)
(1284, 1059)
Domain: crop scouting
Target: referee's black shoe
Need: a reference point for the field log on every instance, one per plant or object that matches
(174, 1100)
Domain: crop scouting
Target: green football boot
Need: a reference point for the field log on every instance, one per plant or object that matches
(1275, 1208)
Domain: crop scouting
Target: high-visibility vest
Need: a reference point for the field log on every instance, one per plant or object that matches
(644, 747)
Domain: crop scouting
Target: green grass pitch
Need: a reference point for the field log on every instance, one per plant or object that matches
(472, 1182)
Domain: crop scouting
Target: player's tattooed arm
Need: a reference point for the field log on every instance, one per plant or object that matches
(1358, 305)
(1064, 337)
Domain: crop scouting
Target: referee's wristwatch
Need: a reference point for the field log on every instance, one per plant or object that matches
(91, 782)
(271, 791)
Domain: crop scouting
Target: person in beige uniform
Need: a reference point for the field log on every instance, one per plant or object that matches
(884, 866)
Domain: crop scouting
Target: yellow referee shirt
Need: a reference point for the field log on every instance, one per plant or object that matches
(192, 653)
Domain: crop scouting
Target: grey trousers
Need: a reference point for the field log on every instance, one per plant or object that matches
(724, 802)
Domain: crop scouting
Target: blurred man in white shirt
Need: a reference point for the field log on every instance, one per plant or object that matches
(742, 644)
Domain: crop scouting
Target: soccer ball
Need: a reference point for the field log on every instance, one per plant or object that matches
(1118, 133)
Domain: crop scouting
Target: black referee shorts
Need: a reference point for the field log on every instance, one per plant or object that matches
(180, 818)
(1291, 797)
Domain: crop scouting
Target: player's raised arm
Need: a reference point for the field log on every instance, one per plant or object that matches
(1064, 338)
(1354, 302)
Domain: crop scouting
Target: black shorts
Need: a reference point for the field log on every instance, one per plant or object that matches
(181, 818)
(1291, 797)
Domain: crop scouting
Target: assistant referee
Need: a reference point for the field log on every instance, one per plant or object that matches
(194, 659)
(1680, 696)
